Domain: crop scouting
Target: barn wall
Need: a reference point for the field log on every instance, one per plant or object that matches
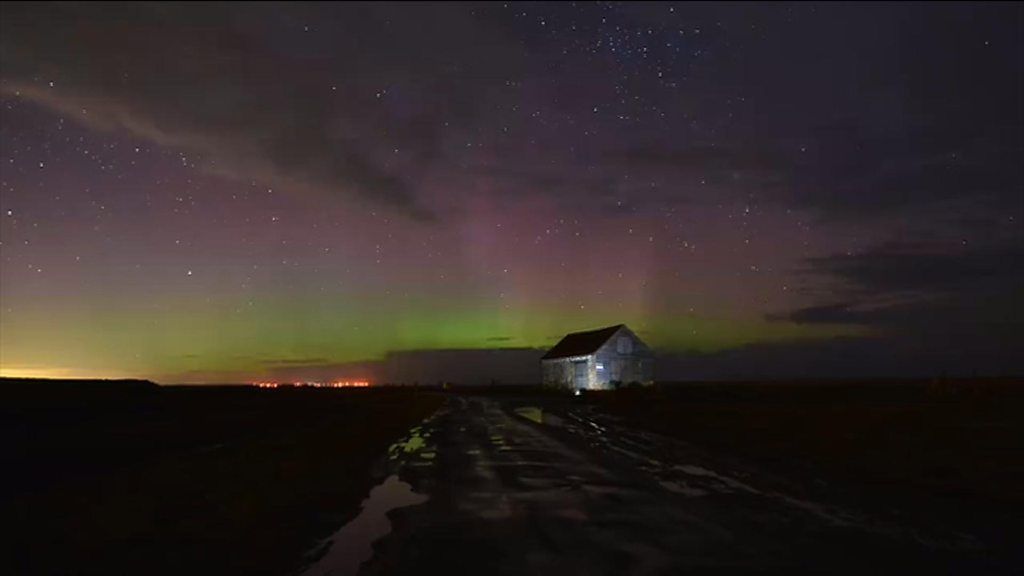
(591, 373)
(561, 372)
(623, 368)
(603, 378)
(557, 373)
(617, 368)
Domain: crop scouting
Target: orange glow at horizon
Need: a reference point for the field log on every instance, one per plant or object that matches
(58, 373)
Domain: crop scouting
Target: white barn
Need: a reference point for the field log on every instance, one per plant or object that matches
(598, 360)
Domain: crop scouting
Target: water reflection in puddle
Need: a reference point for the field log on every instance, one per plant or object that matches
(350, 546)
(415, 441)
(531, 413)
(535, 414)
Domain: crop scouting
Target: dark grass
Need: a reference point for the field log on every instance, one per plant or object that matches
(137, 479)
(947, 453)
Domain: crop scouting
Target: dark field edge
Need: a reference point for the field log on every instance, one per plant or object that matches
(115, 478)
(946, 454)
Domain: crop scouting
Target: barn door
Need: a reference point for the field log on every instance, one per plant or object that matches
(579, 378)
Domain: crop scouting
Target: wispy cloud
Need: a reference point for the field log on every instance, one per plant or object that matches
(222, 87)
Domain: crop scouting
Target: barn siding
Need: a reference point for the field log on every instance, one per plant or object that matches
(557, 372)
(634, 366)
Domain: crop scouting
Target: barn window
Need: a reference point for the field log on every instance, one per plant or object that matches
(624, 346)
(600, 366)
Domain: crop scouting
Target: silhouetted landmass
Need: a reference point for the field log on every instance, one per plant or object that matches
(38, 386)
(108, 477)
(130, 477)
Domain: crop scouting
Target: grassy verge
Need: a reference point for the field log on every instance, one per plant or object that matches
(192, 480)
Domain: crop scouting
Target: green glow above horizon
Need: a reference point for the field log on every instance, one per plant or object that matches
(234, 340)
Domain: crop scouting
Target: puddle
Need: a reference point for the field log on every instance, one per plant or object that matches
(409, 445)
(350, 546)
(531, 413)
(535, 414)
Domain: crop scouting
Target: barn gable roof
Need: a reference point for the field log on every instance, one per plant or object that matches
(581, 343)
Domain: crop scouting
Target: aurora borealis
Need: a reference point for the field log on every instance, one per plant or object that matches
(211, 193)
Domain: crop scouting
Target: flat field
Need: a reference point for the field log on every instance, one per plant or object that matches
(134, 478)
(947, 452)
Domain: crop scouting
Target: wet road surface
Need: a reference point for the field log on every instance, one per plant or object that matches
(521, 487)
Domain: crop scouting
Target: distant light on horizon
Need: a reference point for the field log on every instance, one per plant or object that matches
(337, 384)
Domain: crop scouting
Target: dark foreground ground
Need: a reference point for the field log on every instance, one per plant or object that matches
(138, 479)
(729, 478)
(947, 453)
(750, 479)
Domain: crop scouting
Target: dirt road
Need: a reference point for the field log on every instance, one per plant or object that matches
(548, 487)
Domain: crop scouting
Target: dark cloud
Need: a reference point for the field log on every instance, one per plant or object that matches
(844, 358)
(464, 366)
(315, 103)
(294, 362)
(992, 317)
(840, 313)
(899, 267)
(918, 299)
(846, 173)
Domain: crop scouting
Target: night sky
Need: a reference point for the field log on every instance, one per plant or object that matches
(226, 193)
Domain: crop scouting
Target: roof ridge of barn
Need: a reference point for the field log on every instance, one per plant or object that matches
(581, 343)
